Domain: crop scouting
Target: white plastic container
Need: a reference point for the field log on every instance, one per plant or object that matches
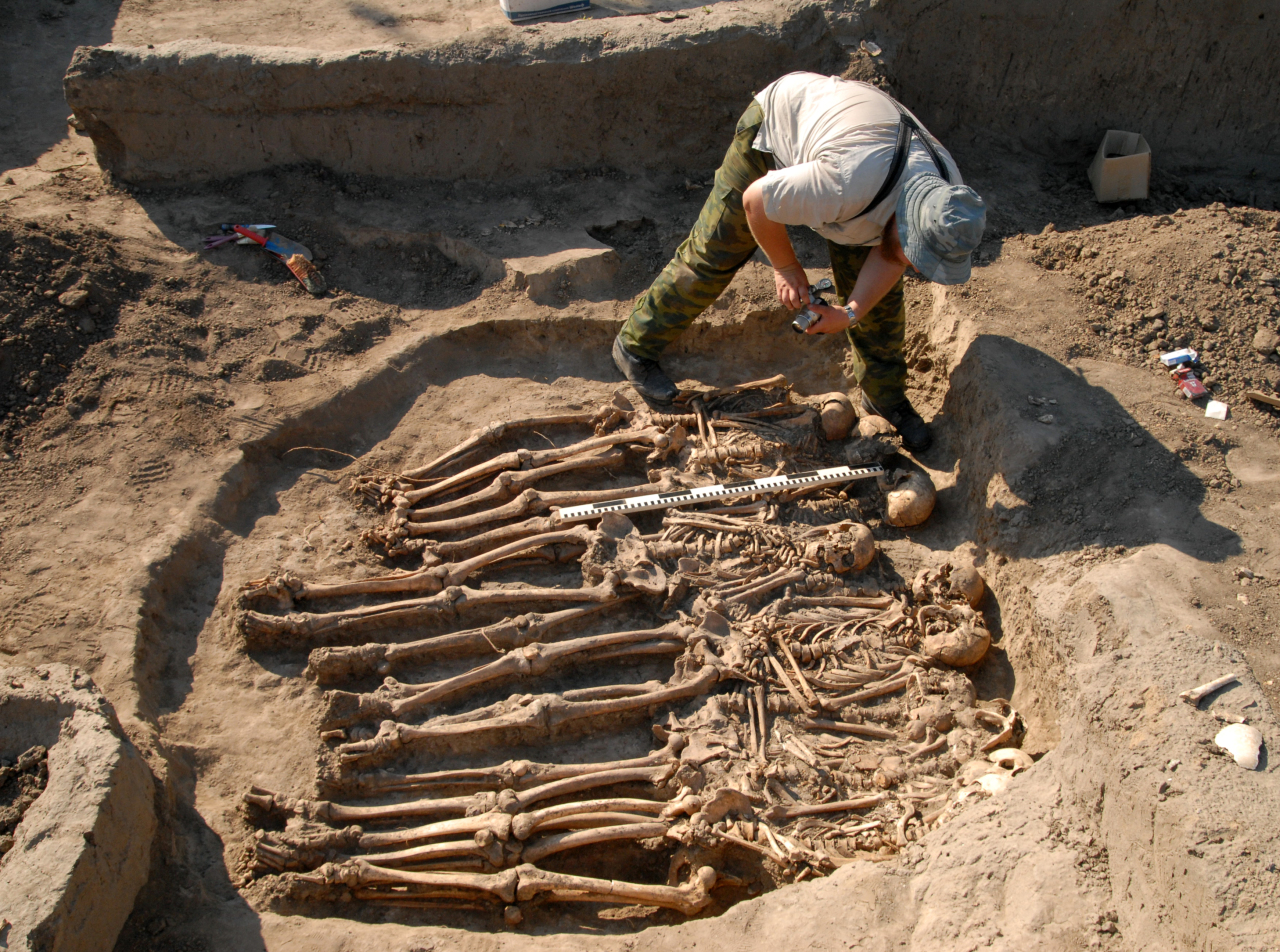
(518, 10)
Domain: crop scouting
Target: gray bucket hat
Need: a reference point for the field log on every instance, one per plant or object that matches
(939, 225)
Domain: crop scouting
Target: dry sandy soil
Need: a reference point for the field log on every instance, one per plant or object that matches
(191, 421)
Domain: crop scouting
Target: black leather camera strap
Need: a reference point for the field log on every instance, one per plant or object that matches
(907, 127)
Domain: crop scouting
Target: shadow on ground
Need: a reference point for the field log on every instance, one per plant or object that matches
(35, 47)
(1070, 470)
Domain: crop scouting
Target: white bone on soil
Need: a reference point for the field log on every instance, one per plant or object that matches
(429, 579)
(502, 826)
(523, 458)
(511, 774)
(260, 628)
(768, 383)
(689, 899)
(484, 848)
(777, 580)
(523, 825)
(333, 665)
(513, 482)
(494, 432)
(330, 811)
(359, 872)
(1197, 694)
(539, 716)
(536, 659)
(792, 811)
(575, 839)
(530, 661)
(1008, 728)
(435, 552)
(531, 501)
(861, 730)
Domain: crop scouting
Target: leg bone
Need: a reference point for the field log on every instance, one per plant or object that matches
(263, 630)
(690, 898)
(539, 716)
(531, 660)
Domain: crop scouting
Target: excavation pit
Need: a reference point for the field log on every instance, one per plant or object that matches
(351, 683)
(256, 691)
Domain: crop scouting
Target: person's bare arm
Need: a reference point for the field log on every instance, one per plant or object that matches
(884, 266)
(788, 276)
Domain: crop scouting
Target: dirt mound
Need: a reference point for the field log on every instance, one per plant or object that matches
(1204, 279)
(61, 291)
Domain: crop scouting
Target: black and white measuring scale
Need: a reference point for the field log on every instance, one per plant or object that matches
(747, 487)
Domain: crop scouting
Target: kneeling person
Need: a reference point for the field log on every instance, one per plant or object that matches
(848, 161)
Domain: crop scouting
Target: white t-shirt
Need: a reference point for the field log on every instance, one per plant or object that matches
(832, 141)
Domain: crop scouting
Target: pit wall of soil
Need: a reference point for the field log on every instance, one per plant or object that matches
(1098, 657)
(631, 93)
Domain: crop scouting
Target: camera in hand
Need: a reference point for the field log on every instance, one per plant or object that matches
(804, 320)
(807, 318)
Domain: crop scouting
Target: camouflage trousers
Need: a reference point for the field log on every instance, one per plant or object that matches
(721, 242)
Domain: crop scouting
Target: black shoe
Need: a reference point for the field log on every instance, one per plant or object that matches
(645, 375)
(913, 430)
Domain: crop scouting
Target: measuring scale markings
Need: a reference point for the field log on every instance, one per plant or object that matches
(747, 487)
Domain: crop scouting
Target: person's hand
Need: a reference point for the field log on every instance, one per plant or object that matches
(792, 285)
(831, 320)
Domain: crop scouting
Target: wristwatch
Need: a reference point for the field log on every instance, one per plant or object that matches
(853, 315)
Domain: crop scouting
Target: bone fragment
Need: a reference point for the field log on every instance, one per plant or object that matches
(762, 709)
(492, 434)
(531, 501)
(689, 899)
(862, 730)
(360, 872)
(753, 729)
(778, 858)
(1011, 758)
(511, 483)
(513, 802)
(331, 665)
(578, 838)
(768, 383)
(513, 774)
(496, 823)
(804, 685)
(261, 629)
(1197, 694)
(538, 716)
(786, 682)
(523, 825)
(430, 579)
(1009, 726)
(900, 828)
(878, 689)
(523, 458)
(490, 850)
(532, 660)
(777, 580)
(779, 812)
(484, 541)
(1243, 742)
